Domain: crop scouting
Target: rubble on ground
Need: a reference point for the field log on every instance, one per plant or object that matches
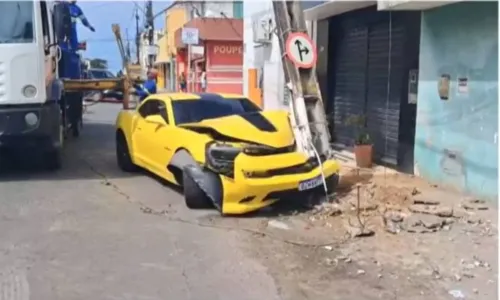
(402, 208)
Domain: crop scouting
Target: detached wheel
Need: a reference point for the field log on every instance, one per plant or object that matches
(194, 196)
(123, 154)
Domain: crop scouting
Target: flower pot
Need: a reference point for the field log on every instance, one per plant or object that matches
(363, 154)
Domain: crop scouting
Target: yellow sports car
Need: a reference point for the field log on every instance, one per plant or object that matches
(222, 149)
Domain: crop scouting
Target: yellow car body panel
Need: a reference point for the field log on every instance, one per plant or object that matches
(153, 144)
(262, 189)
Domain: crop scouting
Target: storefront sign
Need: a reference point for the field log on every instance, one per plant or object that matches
(223, 49)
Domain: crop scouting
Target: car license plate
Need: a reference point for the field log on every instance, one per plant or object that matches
(310, 183)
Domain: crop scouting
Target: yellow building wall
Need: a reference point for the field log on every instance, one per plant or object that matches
(175, 18)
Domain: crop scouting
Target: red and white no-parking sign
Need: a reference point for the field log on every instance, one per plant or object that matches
(301, 50)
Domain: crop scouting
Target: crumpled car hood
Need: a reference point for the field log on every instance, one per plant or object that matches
(270, 128)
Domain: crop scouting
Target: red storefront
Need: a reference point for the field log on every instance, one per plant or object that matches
(220, 53)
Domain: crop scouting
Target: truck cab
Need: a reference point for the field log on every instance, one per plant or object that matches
(31, 91)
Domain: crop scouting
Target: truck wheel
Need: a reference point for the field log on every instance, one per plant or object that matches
(123, 154)
(75, 129)
(194, 196)
(53, 159)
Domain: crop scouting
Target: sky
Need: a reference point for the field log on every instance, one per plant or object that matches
(101, 14)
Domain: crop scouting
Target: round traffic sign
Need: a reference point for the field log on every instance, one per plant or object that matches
(300, 50)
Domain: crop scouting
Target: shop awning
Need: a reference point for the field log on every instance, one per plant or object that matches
(163, 54)
(333, 8)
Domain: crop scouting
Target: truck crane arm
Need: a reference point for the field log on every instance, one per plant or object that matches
(123, 84)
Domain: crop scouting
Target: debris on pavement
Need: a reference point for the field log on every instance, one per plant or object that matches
(474, 204)
(278, 225)
(457, 294)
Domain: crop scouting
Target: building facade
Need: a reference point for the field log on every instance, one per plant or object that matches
(263, 75)
(175, 17)
(456, 133)
(424, 76)
(219, 53)
(213, 16)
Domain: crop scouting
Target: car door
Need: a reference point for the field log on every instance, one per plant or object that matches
(160, 139)
(142, 132)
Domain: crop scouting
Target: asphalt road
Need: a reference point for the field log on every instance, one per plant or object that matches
(85, 232)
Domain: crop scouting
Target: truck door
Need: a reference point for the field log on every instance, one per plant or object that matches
(50, 49)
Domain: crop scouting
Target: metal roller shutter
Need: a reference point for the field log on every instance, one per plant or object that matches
(350, 81)
(385, 59)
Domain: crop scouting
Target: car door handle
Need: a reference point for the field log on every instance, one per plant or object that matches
(166, 148)
(139, 128)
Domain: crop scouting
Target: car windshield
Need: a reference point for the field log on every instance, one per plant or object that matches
(192, 111)
(16, 22)
(100, 74)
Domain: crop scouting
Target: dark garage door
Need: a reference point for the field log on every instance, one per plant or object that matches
(370, 70)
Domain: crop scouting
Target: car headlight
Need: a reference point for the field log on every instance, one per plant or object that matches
(220, 158)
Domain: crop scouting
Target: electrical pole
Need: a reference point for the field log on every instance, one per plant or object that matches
(137, 36)
(150, 29)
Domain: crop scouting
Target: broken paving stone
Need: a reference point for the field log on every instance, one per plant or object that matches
(359, 231)
(363, 205)
(423, 199)
(468, 206)
(440, 211)
(423, 223)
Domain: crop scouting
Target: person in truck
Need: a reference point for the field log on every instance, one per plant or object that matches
(77, 14)
(149, 86)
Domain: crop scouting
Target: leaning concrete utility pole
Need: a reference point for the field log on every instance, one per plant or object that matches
(309, 118)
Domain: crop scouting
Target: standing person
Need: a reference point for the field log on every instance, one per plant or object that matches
(77, 14)
(203, 80)
(183, 83)
(149, 86)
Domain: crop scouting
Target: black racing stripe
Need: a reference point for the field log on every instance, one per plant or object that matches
(256, 119)
(259, 121)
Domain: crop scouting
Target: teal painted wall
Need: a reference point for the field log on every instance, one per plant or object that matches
(238, 9)
(456, 140)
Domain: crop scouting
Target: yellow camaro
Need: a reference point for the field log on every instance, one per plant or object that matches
(221, 148)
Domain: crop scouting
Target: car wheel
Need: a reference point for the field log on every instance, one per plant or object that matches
(123, 154)
(53, 159)
(194, 196)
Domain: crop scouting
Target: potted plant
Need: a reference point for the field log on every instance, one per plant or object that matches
(363, 147)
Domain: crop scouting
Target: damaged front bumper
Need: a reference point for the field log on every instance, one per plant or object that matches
(259, 181)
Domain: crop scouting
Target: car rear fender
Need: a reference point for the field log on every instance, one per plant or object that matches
(125, 122)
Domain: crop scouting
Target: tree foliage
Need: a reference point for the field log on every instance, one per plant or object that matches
(98, 63)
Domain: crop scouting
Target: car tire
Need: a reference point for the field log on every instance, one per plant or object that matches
(53, 160)
(194, 196)
(331, 183)
(123, 154)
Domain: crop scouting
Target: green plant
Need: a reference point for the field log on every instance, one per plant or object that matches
(362, 135)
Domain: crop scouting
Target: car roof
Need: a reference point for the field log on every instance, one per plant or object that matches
(197, 96)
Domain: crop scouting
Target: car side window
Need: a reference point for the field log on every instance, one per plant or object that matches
(154, 107)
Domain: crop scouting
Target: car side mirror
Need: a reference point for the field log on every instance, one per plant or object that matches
(156, 119)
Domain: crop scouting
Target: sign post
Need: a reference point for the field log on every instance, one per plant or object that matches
(301, 50)
(190, 37)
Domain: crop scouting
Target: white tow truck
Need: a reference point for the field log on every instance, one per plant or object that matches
(41, 85)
